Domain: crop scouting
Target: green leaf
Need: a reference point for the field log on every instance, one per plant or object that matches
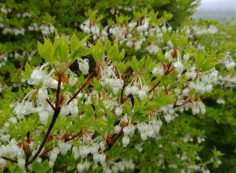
(61, 49)
(98, 51)
(74, 43)
(46, 50)
(77, 47)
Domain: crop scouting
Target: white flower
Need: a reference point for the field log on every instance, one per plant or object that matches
(129, 43)
(50, 83)
(198, 107)
(73, 80)
(102, 146)
(128, 90)
(43, 116)
(95, 29)
(21, 163)
(220, 101)
(131, 25)
(74, 110)
(53, 154)
(94, 149)
(42, 96)
(23, 109)
(84, 151)
(186, 91)
(83, 66)
(170, 44)
(142, 127)
(142, 94)
(158, 70)
(65, 110)
(164, 28)
(75, 152)
(229, 65)
(168, 118)
(156, 125)
(125, 141)
(13, 120)
(134, 89)
(186, 57)
(51, 163)
(37, 76)
(81, 167)
(137, 44)
(144, 136)
(39, 160)
(179, 67)
(2, 162)
(144, 25)
(191, 74)
(64, 147)
(99, 158)
(152, 49)
(117, 129)
(118, 111)
(115, 84)
(129, 130)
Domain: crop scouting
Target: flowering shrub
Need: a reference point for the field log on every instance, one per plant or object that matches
(128, 94)
(23, 23)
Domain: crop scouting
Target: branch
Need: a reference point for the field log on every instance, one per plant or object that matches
(154, 86)
(58, 93)
(65, 140)
(50, 104)
(46, 137)
(111, 140)
(82, 86)
(55, 115)
(9, 159)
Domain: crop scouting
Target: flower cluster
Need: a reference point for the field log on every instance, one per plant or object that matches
(127, 35)
(45, 29)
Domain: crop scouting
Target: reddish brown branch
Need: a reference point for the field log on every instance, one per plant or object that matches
(82, 86)
(111, 140)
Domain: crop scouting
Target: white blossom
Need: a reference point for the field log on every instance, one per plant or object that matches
(2, 162)
(37, 76)
(43, 116)
(99, 158)
(158, 70)
(118, 111)
(42, 96)
(21, 163)
(125, 141)
(73, 80)
(81, 167)
(64, 147)
(65, 110)
(129, 130)
(84, 66)
(179, 67)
